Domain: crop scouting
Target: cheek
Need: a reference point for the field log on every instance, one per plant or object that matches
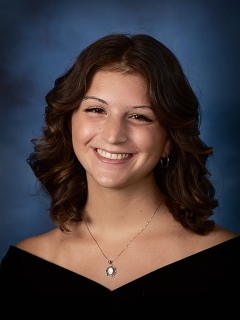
(151, 140)
(81, 135)
(80, 138)
(82, 131)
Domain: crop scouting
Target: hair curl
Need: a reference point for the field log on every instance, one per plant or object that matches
(186, 181)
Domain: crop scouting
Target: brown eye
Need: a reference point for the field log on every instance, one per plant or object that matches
(141, 117)
(94, 110)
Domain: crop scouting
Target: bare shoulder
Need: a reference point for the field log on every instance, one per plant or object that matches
(223, 234)
(40, 245)
(219, 235)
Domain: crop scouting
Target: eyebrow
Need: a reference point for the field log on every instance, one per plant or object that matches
(95, 98)
(105, 102)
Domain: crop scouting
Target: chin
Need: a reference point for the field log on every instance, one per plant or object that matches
(111, 185)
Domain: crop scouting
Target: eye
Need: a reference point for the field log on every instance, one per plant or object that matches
(141, 117)
(95, 110)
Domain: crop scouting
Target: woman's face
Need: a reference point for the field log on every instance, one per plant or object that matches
(116, 136)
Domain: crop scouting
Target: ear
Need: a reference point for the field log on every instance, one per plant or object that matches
(167, 149)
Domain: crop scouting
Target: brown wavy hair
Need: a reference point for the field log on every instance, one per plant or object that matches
(186, 182)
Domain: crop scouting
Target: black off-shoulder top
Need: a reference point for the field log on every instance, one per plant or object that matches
(208, 280)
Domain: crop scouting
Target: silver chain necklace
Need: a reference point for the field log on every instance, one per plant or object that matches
(111, 270)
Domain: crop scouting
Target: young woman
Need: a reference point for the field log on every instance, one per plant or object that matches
(125, 169)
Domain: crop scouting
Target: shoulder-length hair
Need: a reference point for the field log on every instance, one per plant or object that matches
(185, 182)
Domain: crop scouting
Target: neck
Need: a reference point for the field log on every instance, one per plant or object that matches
(115, 211)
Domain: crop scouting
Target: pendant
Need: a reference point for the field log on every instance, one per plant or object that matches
(111, 270)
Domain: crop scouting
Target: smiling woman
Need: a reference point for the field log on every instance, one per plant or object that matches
(122, 162)
(116, 135)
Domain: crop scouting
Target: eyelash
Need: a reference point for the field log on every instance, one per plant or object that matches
(139, 117)
(94, 110)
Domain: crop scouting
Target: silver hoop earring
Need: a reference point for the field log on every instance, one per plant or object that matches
(164, 162)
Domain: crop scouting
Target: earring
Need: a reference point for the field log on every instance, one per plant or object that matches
(166, 160)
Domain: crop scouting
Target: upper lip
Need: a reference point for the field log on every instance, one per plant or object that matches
(113, 155)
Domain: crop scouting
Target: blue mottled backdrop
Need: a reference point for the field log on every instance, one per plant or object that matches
(40, 39)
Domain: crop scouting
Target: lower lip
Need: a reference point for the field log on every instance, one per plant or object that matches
(112, 161)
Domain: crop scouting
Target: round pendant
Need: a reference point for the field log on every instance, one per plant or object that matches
(111, 271)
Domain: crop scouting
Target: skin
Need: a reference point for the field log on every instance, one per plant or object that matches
(118, 140)
(116, 135)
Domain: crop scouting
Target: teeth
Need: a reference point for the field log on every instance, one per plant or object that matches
(113, 156)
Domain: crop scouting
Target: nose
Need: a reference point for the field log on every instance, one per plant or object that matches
(114, 131)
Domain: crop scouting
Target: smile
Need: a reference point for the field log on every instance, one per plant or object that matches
(113, 156)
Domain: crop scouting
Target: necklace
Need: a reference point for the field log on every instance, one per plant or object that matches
(111, 270)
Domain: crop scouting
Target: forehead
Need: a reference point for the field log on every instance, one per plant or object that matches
(119, 84)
